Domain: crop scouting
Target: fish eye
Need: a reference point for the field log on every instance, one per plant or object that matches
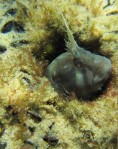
(78, 63)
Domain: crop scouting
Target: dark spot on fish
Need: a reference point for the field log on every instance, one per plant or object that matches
(53, 103)
(23, 10)
(19, 43)
(24, 71)
(12, 116)
(2, 129)
(35, 116)
(8, 108)
(88, 134)
(12, 25)
(23, 42)
(51, 140)
(108, 4)
(32, 129)
(112, 13)
(50, 127)
(11, 12)
(28, 142)
(116, 32)
(27, 80)
(3, 145)
(2, 49)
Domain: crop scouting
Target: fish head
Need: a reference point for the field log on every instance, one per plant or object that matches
(102, 71)
(94, 72)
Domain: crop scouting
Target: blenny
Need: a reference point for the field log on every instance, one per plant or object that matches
(78, 70)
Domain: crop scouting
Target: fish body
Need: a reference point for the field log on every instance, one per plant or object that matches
(78, 70)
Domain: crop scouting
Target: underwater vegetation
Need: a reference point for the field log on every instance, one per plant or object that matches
(34, 39)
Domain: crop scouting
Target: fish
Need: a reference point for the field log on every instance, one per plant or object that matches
(78, 70)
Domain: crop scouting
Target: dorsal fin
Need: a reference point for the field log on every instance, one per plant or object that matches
(71, 44)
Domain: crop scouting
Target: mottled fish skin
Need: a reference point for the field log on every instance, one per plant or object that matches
(78, 70)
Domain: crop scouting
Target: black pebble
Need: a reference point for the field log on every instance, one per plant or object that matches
(2, 49)
(12, 25)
